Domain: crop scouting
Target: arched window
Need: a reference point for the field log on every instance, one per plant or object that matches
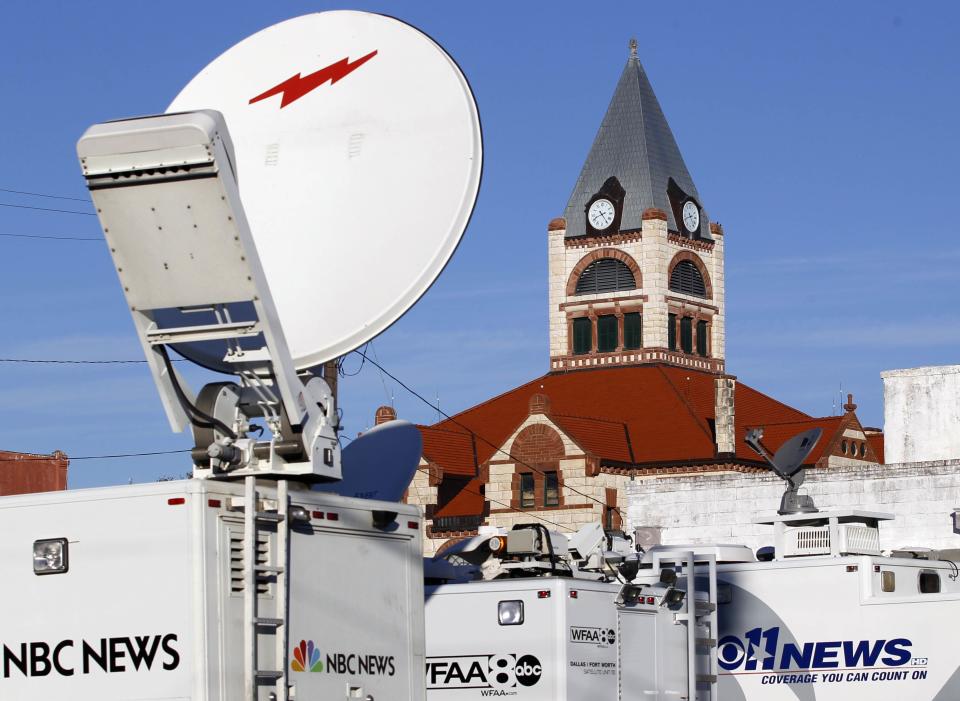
(687, 279)
(605, 275)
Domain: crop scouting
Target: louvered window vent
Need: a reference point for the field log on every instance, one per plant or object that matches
(236, 562)
(605, 275)
(686, 279)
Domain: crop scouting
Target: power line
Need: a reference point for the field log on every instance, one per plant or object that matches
(40, 194)
(477, 435)
(78, 362)
(47, 209)
(53, 238)
(508, 506)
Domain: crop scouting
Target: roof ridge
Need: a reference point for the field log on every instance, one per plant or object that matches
(775, 401)
(453, 417)
(457, 431)
(803, 421)
(697, 420)
(52, 456)
(643, 124)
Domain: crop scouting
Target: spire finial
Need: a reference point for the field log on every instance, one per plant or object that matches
(849, 407)
(633, 47)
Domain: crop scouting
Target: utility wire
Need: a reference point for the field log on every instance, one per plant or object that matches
(53, 238)
(477, 435)
(508, 506)
(79, 362)
(372, 362)
(47, 209)
(48, 196)
(383, 382)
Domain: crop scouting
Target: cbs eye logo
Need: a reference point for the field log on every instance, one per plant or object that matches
(731, 652)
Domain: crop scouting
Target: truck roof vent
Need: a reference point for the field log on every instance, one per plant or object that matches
(236, 562)
(854, 539)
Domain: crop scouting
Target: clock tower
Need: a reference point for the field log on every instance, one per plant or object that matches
(636, 265)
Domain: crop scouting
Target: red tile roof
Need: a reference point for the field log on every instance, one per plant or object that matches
(452, 449)
(876, 443)
(23, 473)
(664, 414)
(775, 435)
(467, 501)
(598, 436)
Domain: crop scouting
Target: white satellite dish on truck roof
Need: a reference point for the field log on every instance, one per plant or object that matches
(358, 157)
(301, 193)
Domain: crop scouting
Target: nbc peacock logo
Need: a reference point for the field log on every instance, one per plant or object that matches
(306, 657)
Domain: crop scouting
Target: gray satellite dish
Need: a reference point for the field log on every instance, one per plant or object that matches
(379, 464)
(786, 463)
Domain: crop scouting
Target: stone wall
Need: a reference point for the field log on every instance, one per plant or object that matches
(422, 492)
(721, 507)
(921, 414)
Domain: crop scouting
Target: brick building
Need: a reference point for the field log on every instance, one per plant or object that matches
(636, 387)
(23, 473)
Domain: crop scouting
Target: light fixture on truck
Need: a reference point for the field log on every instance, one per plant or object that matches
(50, 556)
(510, 613)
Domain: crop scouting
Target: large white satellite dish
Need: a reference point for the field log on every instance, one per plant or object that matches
(358, 155)
(300, 194)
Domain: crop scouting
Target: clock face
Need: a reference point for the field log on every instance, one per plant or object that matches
(601, 214)
(691, 216)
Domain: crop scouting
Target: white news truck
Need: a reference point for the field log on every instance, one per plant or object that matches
(137, 592)
(537, 615)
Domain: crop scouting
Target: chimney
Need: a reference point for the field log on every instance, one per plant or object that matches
(330, 375)
(384, 414)
(725, 425)
(539, 403)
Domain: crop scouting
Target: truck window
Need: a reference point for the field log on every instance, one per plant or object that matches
(888, 580)
(929, 582)
(510, 613)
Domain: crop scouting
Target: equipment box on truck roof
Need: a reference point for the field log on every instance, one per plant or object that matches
(137, 592)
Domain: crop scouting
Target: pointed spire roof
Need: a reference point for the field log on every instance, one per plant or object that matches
(635, 144)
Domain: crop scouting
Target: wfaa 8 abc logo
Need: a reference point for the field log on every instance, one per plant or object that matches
(492, 675)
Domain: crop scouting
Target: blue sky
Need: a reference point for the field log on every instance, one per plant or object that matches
(823, 137)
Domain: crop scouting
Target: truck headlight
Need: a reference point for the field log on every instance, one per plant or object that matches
(50, 556)
(510, 613)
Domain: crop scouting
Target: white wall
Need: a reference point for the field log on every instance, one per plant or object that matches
(721, 507)
(921, 414)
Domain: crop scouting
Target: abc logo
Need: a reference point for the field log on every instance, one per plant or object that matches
(528, 670)
(507, 671)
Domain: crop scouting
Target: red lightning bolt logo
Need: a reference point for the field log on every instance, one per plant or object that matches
(296, 86)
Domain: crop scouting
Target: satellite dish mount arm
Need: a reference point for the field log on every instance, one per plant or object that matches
(168, 201)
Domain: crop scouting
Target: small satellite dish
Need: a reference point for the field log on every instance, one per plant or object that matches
(787, 464)
(379, 464)
(357, 150)
(788, 459)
